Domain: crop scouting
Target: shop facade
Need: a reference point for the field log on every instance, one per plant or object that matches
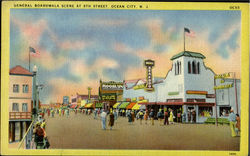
(188, 87)
(110, 93)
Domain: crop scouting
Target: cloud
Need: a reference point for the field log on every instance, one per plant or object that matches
(31, 31)
(107, 22)
(105, 63)
(122, 48)
(72, 45)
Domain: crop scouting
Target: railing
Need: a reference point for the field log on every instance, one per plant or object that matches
(27, 138)
(19, 115)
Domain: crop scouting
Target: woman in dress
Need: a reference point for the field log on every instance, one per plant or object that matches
(171, 117)
(111, 120)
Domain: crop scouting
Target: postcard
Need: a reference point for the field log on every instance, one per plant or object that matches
(124, 78)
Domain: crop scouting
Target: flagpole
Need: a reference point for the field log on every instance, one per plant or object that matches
(184, 38)
(29, 60)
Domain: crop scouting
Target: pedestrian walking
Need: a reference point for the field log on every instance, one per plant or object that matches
(194, 116)
(146, 116)
(48, 111)
(171, 117)
(99, 112)
(129, 117)
(183, 117)
(53, 113)
(159, 116)
(179, 116)
(166, 117)
(75, 111)
(132, 116)
(237, 125)
(189, 116)
(140, 116)
(232, 120)
(111, 120)
(39, 136)
(60, 112)
(151, 115)
(95, 113)
(103, 119)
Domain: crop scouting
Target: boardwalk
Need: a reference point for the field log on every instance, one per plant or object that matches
(83, 132)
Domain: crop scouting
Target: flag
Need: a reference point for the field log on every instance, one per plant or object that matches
(33, 52)
(189, 32)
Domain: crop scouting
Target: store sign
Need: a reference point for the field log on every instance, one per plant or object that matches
(112, 86)
(108, 97)
(224, 86)
(196, 92)
(210, 96)
(142, 86)
(149, 64)
(173, 93)
(226, 75)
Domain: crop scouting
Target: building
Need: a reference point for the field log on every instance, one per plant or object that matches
(20, 102)
(65, 100)
(77, 99)
(228, 96)
(187, 87)
(110, 92)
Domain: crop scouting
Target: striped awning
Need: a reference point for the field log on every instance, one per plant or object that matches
(116, 104)
(124, 105)
(130, 106)
(88, 105)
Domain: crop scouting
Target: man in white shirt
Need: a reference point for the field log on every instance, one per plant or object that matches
(103, 118)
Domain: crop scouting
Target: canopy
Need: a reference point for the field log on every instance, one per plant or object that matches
(98, 105)
(131, 105)
(116, 104)
(124, 105)
(136, 106)
(73, 106)
(88, 105)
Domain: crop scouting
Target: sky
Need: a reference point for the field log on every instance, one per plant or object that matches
(78, 47)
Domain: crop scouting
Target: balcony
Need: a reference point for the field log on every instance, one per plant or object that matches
(19, 115)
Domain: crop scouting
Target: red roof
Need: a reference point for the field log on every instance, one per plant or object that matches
(19, 70)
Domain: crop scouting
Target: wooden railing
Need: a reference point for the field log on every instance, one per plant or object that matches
(19, 115)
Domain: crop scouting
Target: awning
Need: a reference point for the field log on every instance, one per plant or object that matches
(73, 106)
(130, 106)
(136, 106)
(98, 105)
(124, 105)
(116, 104)
(88, 105)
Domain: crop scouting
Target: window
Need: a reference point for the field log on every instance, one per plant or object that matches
(194, 67)
(25, 88)
(175, 68)
(15, 88)
(180, 68)
(189, 67)
(15, 107)
(198, 68)
(25, 107)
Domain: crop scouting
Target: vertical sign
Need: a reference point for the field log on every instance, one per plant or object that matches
(149, 65)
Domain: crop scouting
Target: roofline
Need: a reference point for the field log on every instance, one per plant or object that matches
(22, 74)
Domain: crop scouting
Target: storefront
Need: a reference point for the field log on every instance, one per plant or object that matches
(187, 88)
(109, 93)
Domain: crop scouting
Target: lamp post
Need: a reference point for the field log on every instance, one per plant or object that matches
(34, 93)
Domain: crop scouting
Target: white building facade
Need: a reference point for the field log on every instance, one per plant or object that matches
(188, 86)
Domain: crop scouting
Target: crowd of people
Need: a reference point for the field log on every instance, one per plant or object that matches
(164, 117)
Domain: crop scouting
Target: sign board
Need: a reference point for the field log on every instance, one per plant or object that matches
(223, 86)
(149, 65)
(226, 75)
(112, 85)
(108, 97)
